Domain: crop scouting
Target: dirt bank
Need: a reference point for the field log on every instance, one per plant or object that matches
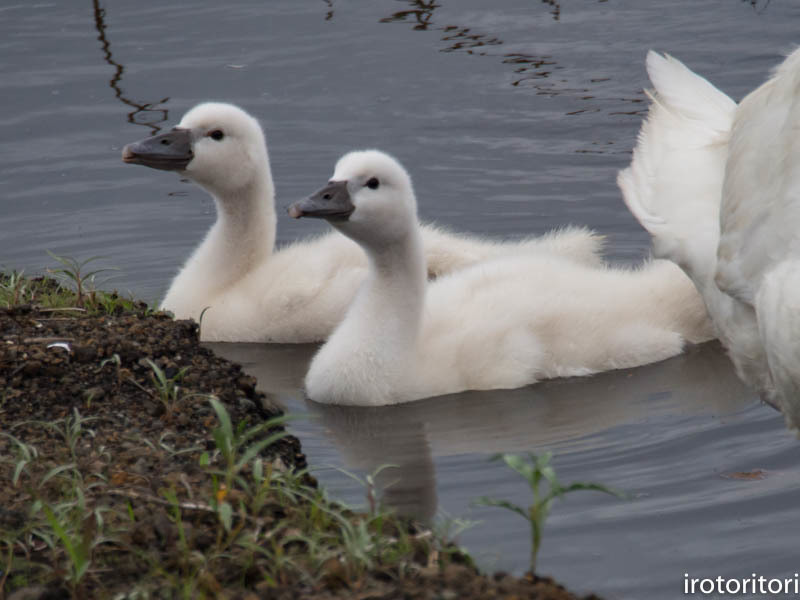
(116, 478)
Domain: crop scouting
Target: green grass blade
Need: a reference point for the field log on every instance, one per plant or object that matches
(597, 487)
(225, 512)
(256, 448)
(520, 465)
(223, 416)
(62, 534)
(20, 466)
(55, 471)
(487, 501)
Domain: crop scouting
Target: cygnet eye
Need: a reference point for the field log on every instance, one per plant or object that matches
(373, 183)
(217, 135)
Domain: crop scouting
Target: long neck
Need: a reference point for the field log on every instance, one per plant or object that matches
(243, 236)
(369, 356)
(394, 291)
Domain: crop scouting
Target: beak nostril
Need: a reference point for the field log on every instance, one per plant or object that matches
(326, 197)
(165, 142)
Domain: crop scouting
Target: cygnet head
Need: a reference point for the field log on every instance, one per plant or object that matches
(369, 197)
(217, 145)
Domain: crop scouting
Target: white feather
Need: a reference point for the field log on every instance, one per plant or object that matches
(725, 187)
(249, 292)
(502, 323)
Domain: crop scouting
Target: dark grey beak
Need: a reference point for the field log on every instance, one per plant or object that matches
(171, 151)
(331, 202)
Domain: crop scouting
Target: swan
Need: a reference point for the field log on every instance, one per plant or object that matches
(714, 185)
(502, 323)
(759, 247)
(245, 290)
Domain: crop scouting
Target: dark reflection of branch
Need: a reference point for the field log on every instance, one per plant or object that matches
(755, 4)
(145, 109)
(329, 14)
(527, 66)
(556, 12)
(422, 13)
(463, 39)
(530, 70)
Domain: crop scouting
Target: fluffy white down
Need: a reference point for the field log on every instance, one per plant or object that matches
(718, 188)
(251, 292)
(502, 323)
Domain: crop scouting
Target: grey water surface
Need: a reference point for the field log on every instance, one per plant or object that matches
(513, 117)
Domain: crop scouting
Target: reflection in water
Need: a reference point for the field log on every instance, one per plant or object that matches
(529, 69)
(408, 486)
(556, 12)
(759, 5)
(464, 39)
(529, 66)
(279, 368)
(329, 14)
(371, 437)
(142, 112)
(422, 14)
(562, 413)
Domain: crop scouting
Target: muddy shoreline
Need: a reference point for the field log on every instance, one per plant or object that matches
(113, 401)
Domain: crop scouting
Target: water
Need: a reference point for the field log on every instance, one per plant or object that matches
(513, 117)
(712, 474)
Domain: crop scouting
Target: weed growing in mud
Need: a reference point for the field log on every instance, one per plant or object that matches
(320, 535)
(17, 289)
(70, 429)
(66, 517)
(369, 483)
(232, 518)
(75, 530)
(167, 388)
(74, 271)
(447, 529)
(69, 527)
(166, 447)
(534, 470)
(200, 321)
(26, 454)
(54, 293)
(234, 444)
(12, 288)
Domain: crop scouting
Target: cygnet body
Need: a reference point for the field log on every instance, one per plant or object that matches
(502, 323)
(245, 289)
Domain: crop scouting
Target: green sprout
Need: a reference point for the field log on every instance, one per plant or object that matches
(534, 470)
(167, 387)
(74, 271)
